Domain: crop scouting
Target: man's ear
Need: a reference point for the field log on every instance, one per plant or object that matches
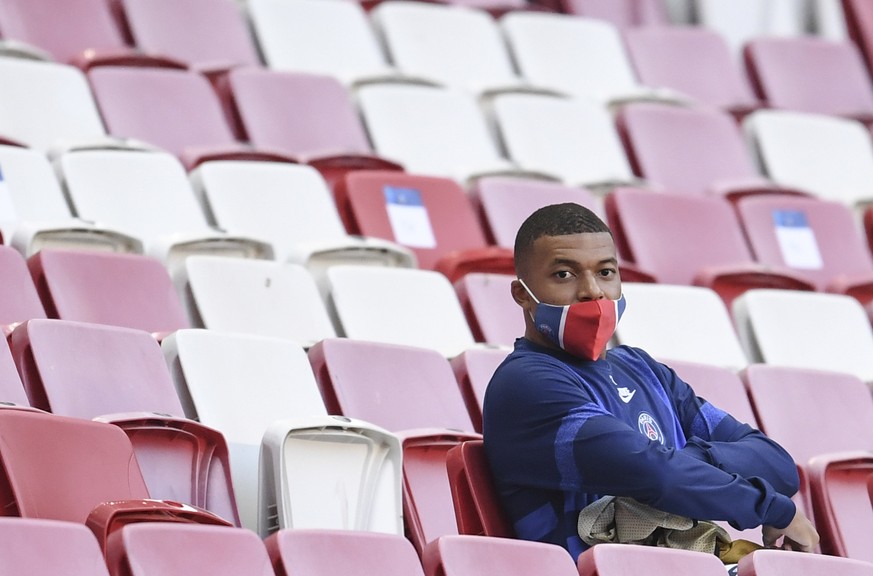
(519, 294)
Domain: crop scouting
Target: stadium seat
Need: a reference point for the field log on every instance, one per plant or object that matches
(619, 559)
(314, 553)
(433, 217)
(330, 472)
(118, 375)
(473, 370)
(624, 14)
(431, 131)
(469, 555)
(572, 140)
(691, 60)
(256, 297)
(556, 51)
(12, 392)
(742, 20)
(492, 314)
(695, 150)
(792, 73)
(155, 549)
(49, 547)
(310, 117)
(290, 207)
(858, 16)
(654, 230)
(806, 330)
(844, 515)
(147, 195)
(778, 562)
(399, 306)
(473, 493)
(239, 384)
(830, 157)
(689, 323)
(129, 290)
(19, 299)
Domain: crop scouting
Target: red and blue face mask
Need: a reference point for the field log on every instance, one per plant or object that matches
(583, 328)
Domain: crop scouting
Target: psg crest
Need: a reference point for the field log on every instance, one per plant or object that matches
(649, 427)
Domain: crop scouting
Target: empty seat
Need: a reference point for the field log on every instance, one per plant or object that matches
(431, 216)
(19, 299)
(49, 547)
(492, 314)
(689, 323)
(777, 562)
(625, 14)
(147, 194)
(740, 21)
(473, 370)
(806, 330)
(858, 16)
(314, 553)
(239, 384)
(721, 259)
(840, 489)
(256, 297)
(431, 131)
(811, 75)
(155, 549)
(467, 555)
(473, 493)
(206, 34)
(128, 290)
(618, 559)
(399, 306)
(573, 140)
(11, 389)
(330, 472)
(119, 376)
(694, 61)
(829, 157)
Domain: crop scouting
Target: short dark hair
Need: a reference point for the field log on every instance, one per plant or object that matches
(555, 220)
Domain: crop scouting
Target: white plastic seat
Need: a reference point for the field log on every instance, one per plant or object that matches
(399, 306)
(431, 131)
(290, 207)
(257, 297)
(576, 56)
(574, 140)
(34, 214)
(147, 194)
(687, 323)
(330, 472)
(828, 156)
(741, 20)
(239, 384)
(806, 330)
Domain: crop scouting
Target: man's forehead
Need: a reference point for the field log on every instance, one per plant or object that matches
(597, 245)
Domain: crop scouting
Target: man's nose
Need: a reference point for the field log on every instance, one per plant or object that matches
(589, 289)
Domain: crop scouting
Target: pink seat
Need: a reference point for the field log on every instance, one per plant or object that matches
(119, 375)
(431, 216)
(333, 552)
(621, 559)
(625, 14)
(492, 314)
(721, 259)
(473, 369)
(159, 549)
(779, 562)
(48, 548)
(474, 497)
(11, 389)
(689, 150)
(812, 75)
(307, 116)
(475, 555)
(859, 25)
(836, 453)
(694, 61)
(127, 290)
(19, 300)
(832, 253)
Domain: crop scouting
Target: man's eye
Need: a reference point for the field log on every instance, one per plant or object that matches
(607, 272)
(563, 274)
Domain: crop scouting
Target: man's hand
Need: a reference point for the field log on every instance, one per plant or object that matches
(800, 535)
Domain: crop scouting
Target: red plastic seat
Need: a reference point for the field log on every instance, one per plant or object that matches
(859, 25)
(19, 300)
(493, 316)
(475, 555)
(473, 370)
(621, 559)
(48, 547)
(625, 14)
(473, 494)
(779, 562)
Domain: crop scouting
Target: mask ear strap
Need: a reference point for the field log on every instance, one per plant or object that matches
(528, 290)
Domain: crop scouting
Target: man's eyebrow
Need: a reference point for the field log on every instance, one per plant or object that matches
(573, 262)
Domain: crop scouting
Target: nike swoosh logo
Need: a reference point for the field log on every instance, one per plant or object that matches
(626, 395)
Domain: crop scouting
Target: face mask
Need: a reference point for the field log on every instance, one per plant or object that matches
(582, 328)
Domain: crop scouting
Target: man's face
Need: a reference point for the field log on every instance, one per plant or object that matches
(561, 270)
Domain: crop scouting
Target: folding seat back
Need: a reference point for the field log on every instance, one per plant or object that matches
(694, 61)
(207, 34)
(473, 370)
(431, 216)
(152, 549)
(830, 157)
(399, 306)
(239, 384)
(314, 552)
(19, 299)
(689, 323)
(49, 547)
(256, 297)
(330, 472)
(738, 22)
(43, 104)
(127, 290)
(785, 70)
(119, 376)
(492, 314)
(11, 389)
(467, 555)
(774, 562)
(575, 141)
(625, 14)
(617, 559)
(806, 330)
(432, 131)
(858, 20)
(473, 493)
